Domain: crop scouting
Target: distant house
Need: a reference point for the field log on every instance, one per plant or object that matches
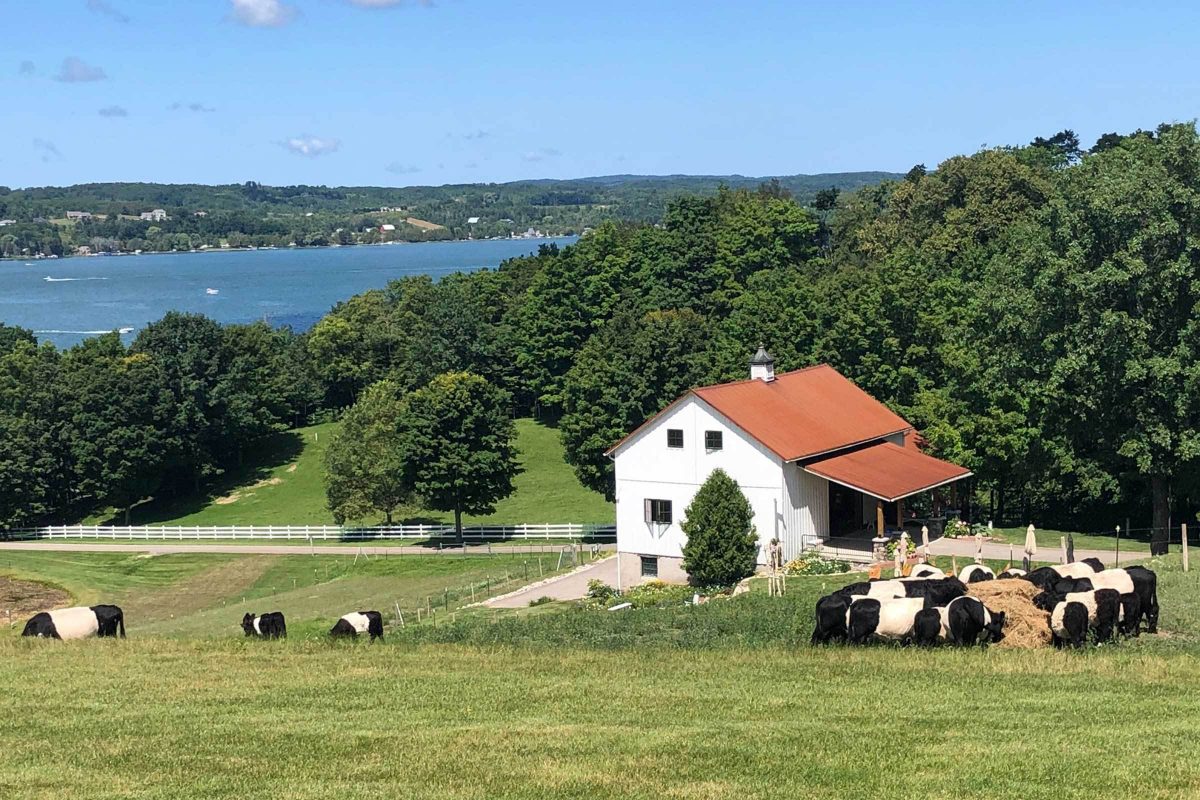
(387, 227)
(199, 213)
(79, 215)
(472, 220)
(815, 455)
(6, 222)
(157, 215)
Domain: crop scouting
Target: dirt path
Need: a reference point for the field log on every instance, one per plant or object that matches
(20, 599)
(571, 586)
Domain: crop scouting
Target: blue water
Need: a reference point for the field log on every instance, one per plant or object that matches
(296, 287)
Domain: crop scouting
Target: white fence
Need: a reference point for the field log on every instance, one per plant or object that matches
(471, 533)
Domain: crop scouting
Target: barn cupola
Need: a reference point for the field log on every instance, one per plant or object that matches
(762, 366)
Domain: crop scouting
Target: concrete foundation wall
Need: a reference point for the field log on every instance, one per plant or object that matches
(670, 570)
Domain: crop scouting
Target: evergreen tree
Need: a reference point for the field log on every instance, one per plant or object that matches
(721, 546)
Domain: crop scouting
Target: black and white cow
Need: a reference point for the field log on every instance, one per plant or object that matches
(1011, 572)
(966, 621)
(81, 622)
(1047, 577)
(925, 571)
(1136, 580)
(1072, 617)
(940, 591)
(831, 618)
(265, 626)
(976, 573)
(892, 619)
(356, 623)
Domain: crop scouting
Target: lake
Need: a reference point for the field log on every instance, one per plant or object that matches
(66, 300)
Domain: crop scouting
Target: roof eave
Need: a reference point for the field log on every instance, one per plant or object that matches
(869, 493)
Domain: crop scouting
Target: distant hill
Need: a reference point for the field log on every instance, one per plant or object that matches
(253, 214)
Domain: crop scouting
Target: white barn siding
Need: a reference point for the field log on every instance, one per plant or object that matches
(807, 512)
(647, 469)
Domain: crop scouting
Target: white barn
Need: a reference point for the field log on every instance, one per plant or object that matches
(815, 455)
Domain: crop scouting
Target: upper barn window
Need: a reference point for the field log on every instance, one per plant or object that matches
(658, 512)
(713, 440)
(674, 437)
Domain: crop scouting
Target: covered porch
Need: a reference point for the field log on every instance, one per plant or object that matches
(882, 489)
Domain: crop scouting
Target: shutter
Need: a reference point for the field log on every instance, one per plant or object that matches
(649, 510)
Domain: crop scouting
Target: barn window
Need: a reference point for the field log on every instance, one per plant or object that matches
(713, 440)
(658, 512)
(675, 437)
(649, 567)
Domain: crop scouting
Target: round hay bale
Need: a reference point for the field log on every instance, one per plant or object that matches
(1025, 625)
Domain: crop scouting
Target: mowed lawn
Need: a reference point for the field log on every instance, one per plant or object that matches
(245, 719)
(283, 484)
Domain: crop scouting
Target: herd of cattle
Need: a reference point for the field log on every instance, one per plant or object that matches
(83, 622)
(929, 608)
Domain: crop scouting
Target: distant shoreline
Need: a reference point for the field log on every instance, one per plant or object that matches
(197, 251)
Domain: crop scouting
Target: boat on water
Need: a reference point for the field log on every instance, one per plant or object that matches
(212, 291)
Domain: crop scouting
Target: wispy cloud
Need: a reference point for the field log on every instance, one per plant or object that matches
(262, 13)
(396, 168)
(27, 68)
(102, 7)
(479, 134)
(74, 70)
(311, 146)
(199, 108)
(389, 3)
(113, 111)
(541, 154)
(48, 150)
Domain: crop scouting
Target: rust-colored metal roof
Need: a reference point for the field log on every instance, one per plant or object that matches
(887, 471)
(804, 413)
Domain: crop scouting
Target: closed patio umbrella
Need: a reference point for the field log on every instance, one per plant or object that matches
(1030, 545)
(925, 542)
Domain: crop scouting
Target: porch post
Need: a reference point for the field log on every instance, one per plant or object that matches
(900, 513)
(880, 529)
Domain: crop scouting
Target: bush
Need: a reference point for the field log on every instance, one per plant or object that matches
(956, 528)
(651, 594)
(909, 549)
(541, 601)
(600, 592)
(813, 564)
(721, 547)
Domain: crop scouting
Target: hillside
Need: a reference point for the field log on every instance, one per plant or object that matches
(252, 214)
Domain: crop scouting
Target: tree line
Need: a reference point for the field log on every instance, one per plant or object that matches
(1031, 309)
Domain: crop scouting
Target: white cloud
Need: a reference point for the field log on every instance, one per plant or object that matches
(397, 168)
(113, 111)
(102, 7)
(48, 150)
(540, 154)
(199, 108)
(74, 70)
(311, 146)
(262, 13)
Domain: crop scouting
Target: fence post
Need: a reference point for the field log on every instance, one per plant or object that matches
(1062, 543)
(1184, 544)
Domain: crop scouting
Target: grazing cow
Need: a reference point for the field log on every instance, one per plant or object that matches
(976, 573)
(1011, 572)
(1050, 577)
(1096, 564)
(1133, 580)
(357, 623)
(891, 619)
(1099, 609)
(265, 626)
(831, 618)
(966, 621)
(81, 622)
(925, 571)
(939, 591)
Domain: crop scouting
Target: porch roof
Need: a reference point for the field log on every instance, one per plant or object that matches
(887, 471)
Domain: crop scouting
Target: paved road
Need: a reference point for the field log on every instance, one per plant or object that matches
(160, 548)
(571, 586)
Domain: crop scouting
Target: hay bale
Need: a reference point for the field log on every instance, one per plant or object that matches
(1025, 625)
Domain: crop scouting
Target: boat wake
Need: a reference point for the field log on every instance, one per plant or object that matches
(87, 333)
(48, 279)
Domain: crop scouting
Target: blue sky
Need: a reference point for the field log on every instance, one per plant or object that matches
(382, 92)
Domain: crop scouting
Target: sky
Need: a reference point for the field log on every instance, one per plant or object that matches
(405, 92)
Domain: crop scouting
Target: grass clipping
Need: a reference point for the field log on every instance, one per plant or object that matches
(1025, 625)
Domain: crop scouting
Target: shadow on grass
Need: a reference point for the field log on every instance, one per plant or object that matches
(262, 458)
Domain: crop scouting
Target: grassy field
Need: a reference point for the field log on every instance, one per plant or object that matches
(206, 595)
(1049, 540)
(721, 700)
(282, 484)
